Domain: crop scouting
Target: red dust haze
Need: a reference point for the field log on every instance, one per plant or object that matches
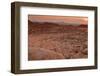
(57, 19)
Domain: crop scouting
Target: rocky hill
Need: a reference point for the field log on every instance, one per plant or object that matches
(47, 41)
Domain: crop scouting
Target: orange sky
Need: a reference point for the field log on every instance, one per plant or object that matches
(66, 19)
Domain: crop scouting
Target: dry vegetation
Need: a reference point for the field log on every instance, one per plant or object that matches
(55, 41)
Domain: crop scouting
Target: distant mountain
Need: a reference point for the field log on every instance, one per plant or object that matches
(58, 23)
(51, 27)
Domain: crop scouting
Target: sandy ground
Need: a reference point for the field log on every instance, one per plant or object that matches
(57, 43)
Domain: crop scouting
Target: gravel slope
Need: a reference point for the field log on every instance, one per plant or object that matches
(52, 41)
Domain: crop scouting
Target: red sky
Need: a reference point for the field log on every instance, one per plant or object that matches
(66, 19)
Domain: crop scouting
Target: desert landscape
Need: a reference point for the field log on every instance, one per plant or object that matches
(48, 40)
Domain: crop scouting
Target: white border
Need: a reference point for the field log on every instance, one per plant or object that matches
(25, 64)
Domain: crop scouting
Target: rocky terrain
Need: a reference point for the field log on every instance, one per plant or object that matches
(47, 41)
